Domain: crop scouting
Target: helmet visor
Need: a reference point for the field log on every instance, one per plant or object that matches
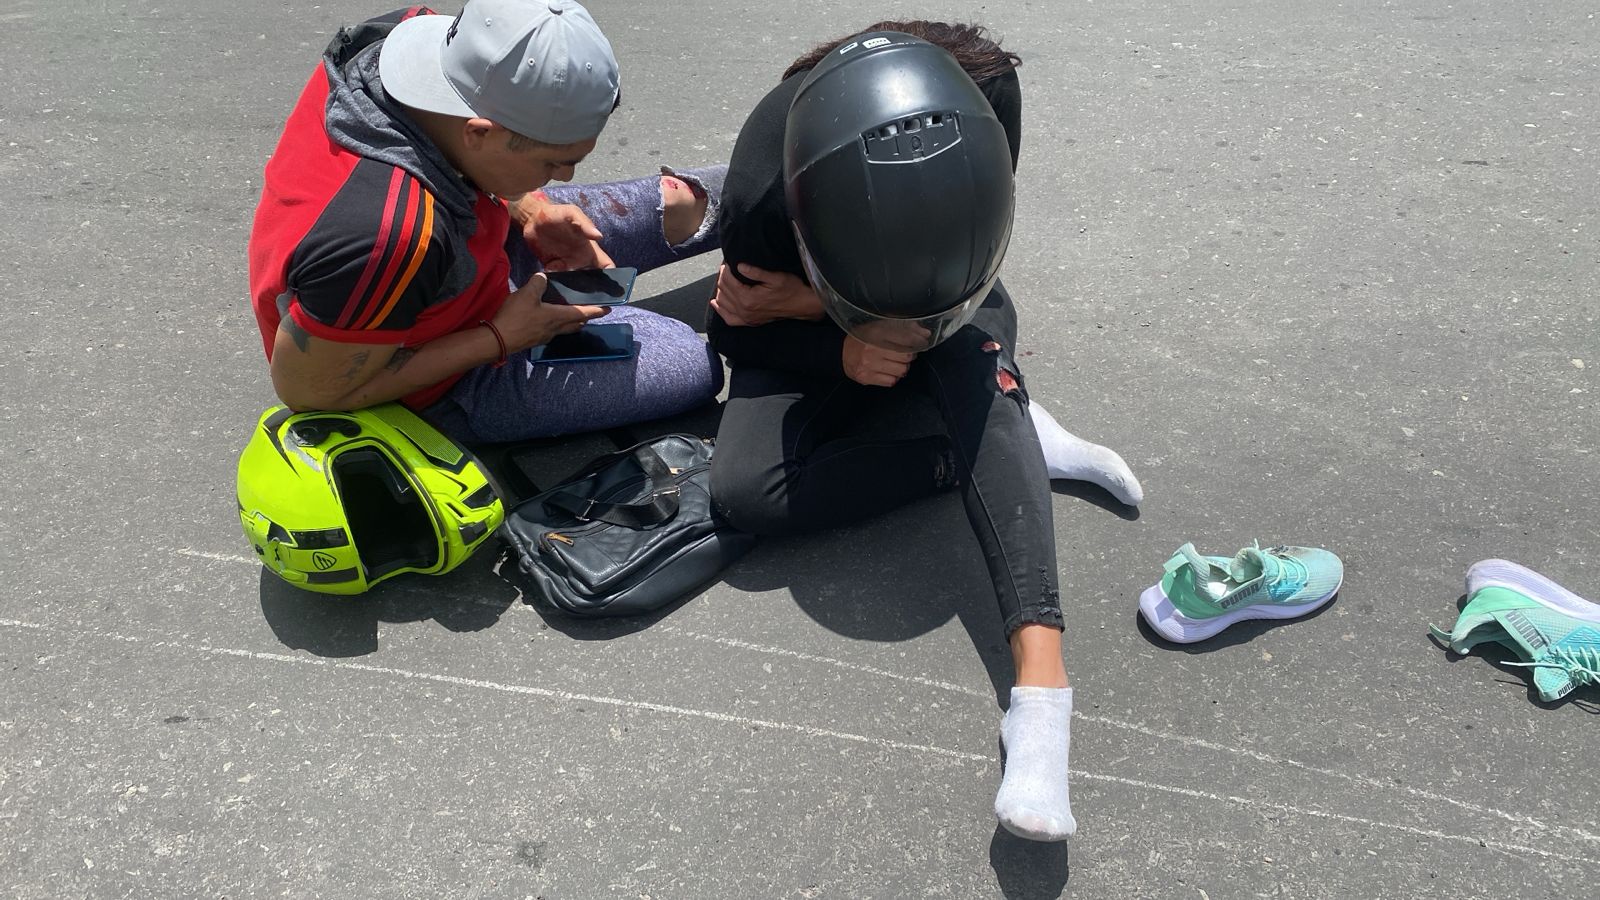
(904, 335)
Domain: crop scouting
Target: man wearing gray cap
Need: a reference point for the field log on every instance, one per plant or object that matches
(401, 222)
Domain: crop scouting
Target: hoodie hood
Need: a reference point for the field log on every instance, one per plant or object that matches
(363, 119)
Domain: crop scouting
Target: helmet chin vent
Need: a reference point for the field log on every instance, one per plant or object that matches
(312, 432)
(388, 519)
(482, 497)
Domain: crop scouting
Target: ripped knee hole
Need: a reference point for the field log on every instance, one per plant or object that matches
(1003, 374)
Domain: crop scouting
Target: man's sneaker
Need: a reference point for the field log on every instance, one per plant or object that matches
(1553, 631)
(1201, 595)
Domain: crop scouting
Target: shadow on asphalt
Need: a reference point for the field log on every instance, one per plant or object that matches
(888, 580)
(687, 304)
(333, 626)
(1028, 870)
(840, 583)
(1095, 495)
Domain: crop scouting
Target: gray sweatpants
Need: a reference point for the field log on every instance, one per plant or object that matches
(673, 371)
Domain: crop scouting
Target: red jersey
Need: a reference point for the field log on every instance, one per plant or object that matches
(361, 251)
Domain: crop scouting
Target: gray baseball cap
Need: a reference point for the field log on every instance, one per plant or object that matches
(538, 67)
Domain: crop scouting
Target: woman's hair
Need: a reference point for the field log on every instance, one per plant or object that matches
(981, 57)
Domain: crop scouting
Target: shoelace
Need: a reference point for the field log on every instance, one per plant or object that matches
(1292, 573)
(1582, 664)
(1201, 569)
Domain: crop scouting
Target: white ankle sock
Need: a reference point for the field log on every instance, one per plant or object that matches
(1033, 801)
(1068, 456)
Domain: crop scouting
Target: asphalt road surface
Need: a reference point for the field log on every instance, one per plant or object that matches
(1323, 273)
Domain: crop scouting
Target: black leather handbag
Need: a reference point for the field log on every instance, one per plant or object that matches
(630, 532)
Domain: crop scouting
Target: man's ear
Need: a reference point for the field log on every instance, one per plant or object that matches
(475, 132)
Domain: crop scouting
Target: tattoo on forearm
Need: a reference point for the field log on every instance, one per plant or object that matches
(400, 358)
(358, 361)
(301, 338)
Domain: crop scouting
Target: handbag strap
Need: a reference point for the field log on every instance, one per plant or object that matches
(660, 506)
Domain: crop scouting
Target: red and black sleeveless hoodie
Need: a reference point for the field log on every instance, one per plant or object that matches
(365, 234)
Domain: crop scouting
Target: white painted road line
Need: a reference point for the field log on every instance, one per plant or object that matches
(684, 712)
(1198, 743)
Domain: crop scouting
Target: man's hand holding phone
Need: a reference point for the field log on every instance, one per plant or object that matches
(525, 320)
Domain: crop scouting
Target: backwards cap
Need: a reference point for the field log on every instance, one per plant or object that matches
(540, 68)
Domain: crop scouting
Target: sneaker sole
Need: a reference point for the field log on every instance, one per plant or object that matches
(1503, 573)
(1165, 619)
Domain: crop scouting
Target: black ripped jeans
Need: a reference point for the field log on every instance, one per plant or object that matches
(797, 453)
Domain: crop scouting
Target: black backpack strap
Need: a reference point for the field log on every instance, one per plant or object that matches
(660, 506)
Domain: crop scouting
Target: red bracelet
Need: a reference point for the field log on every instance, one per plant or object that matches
(498, 339)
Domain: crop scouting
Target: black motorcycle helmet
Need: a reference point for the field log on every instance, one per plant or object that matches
(898, 179)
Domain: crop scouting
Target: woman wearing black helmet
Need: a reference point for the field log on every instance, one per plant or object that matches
(866, 211)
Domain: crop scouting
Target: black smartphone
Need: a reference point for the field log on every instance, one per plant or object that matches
(591, 342)
(591, 287)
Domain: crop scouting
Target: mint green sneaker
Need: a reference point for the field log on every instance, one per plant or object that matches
(1552, 631)
(1201, 595)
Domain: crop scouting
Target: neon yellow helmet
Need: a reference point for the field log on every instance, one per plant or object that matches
(336, 502)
